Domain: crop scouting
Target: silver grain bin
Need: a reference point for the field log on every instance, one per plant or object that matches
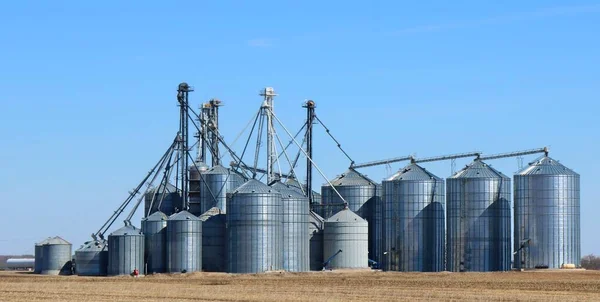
(214, 241)
(219, 181)
(126, 251)
(295, 184)
(166, 199)
(547, 216)
(347, 235)
(413, 222)
(255, 229)
(195, 195)
(56, 259)
(296, 249)
(154, 228)
(184, 243)
(39, 251)
(92, 259)
(315, 231)
(478, 221)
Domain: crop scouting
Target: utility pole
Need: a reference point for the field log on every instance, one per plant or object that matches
(310, 117)
(268, 93)
(183, 97)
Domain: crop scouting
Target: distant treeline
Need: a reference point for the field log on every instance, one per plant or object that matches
(590, 262)
(3, 259)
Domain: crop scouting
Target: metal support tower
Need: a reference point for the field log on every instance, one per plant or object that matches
(213, 123)
(310, 118)
(268, 93)
(182, 97)
(203, 133)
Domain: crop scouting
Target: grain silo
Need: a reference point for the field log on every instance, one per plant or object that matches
(164, 198)
(39, 251)
(218, 182)
(154, 228)
(126, 251)
(56, 259)
(255, 229)
(92, 259)
(315, 230)
(414, 221)
(295, 184)
(214, 241)
(346, 241)
(195, 179)
(478, 220)
(184, 243)
(547, 216)
(296, 249)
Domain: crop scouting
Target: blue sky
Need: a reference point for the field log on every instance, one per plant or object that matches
(88, 90)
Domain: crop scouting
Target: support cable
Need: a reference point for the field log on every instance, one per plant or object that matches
(335, 140)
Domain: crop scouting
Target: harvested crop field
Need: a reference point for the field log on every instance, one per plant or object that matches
(321, 286)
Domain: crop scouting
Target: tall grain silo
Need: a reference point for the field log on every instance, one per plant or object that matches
(214, 241)
(56, 259)
(362, 194)
(164, 198)
(346, 239)
(315, 231)
(414, 221)
(154, 228)
(218, 182)
(92, 259)
(184, 243)
(126, 251)
(547, 216)
(255, 229)
(295, 184)
(195, 179)
(478, 220)
(39, 252)
(296, 249)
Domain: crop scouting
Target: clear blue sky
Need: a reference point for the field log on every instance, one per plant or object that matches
(87, 90)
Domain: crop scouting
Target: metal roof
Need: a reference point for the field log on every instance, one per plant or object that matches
(413, 172)
(478, 169)
(182, 216)
(43, 241)
(218, 170)
(254, 186)
(97, 245)
(351, 178)
(156, 216)
(546, 166)
(55, 241)
(200, 164)
(210, 213)
(127, 231)
(287, 191)
(345, 215)
(169, 188)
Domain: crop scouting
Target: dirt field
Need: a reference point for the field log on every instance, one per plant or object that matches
(322, 286)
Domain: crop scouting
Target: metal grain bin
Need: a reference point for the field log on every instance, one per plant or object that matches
(219, 181)
(315, 231)
(37, 268)
(255, 229)
(414, 221)
(478, 221)
(92, 259)
(184, 243)
(126, 251)
(214, 241)
(347, 235)
(195, 196)
(296, 249)
(166, 199)
(154, 228)
(295, 184)
(547, 216)
(56, 259)
(362, 194)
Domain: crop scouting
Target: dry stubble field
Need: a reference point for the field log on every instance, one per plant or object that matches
(321, 286)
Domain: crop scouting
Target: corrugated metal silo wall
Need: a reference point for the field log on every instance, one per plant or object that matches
(92, 261)
(155, 234)
(214, 244)
(184, 246)
(375, 220)
(214, 192)
(195, 195)
(37, 266)
(350, 237)
(56, 259)
(478, 224)
(547, 211)
(414, 226)
(296, 250)
(170, 201)
(125, 254)
(255, 232)
(316, 244)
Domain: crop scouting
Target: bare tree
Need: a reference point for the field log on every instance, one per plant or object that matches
(590, 262)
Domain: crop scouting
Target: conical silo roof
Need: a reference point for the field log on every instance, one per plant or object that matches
(169, 188)
(546, 166)
(345, 215)
(351, 178)
(182, 216)
(287, 191)
(218, 170)
(316, 221)
(210, 213)
(156, 216)
(254, 186)
(45, 241)
(478, 169)
(199, 165)
(128, 230)
(92, 246)
(413, 172)
(56, 241)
